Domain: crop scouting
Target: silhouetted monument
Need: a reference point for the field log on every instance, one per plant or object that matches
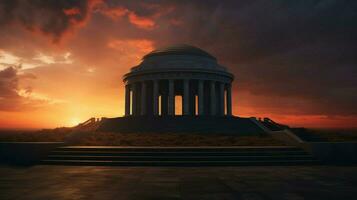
(182, 70)
(186, 71)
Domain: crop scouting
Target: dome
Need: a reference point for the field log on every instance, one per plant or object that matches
(178, 57)
(178, 62)
(181, 49)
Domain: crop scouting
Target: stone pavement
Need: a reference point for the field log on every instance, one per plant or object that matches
(250, 183)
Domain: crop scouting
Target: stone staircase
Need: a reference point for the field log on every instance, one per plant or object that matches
(272, 125)
(91, 124)
(179, 156)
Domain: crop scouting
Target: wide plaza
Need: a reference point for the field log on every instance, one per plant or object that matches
(255, 183)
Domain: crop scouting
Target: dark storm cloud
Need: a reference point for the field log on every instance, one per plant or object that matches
(51, 17)
(10, 100)
(9, 81)
(280, 48)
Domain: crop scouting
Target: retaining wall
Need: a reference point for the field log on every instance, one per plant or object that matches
(25, 153)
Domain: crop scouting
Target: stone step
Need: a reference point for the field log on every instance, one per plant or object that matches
(180, 163)
(177, 149)
(179, 158)
(182, 153)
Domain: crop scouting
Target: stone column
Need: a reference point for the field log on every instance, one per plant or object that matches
(221, 99)
(200, 97)
(171, 106)
(164, 104)
(156, 97)
(213, 97)
(192, 102)
(134, 101)
(127, 100)
(143, 98)
(186, 98)
(229, 100)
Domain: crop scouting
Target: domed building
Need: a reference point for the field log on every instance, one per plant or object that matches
(186, 73)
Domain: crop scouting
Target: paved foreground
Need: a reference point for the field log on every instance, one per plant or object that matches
(253, 183)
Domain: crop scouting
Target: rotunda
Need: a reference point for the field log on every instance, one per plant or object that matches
(182, 70)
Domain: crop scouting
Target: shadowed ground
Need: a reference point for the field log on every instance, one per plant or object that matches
(78, 137)
(182, 124)
(68, 182)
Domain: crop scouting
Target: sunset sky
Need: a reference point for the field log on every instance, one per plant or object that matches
(62, 62)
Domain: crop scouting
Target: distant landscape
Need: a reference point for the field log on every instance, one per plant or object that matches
(85, 137)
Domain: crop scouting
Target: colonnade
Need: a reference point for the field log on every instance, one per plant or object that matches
(157, 97)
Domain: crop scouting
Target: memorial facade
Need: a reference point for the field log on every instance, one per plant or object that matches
(183, 71)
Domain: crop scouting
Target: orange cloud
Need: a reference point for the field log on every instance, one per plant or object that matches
(141, 22)
(130, 51)
(140, 46)
(114, 13)
(154, 11)
(119, 12)
(71, 11)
